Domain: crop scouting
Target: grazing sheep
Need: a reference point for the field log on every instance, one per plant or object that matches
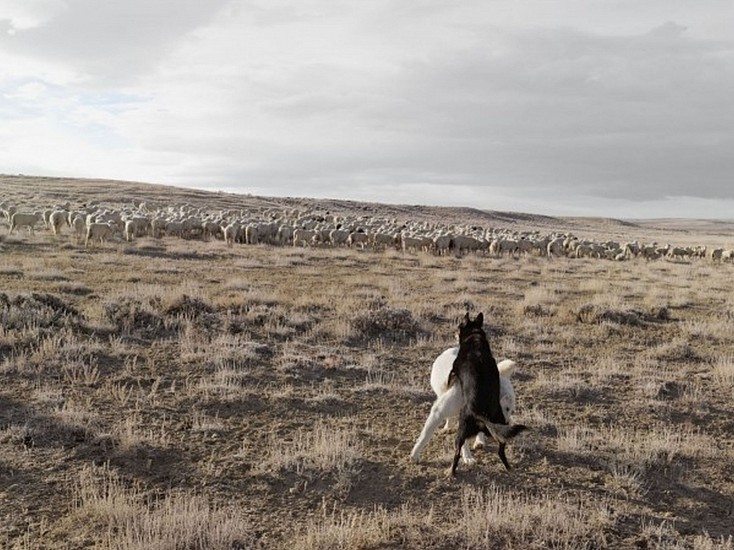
(449, 401)
(20, 219)
(476, 372)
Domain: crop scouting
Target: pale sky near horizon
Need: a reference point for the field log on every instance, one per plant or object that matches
(572, 107)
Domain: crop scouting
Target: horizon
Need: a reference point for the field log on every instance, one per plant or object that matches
(371, 202)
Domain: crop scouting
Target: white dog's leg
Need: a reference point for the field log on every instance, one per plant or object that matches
(480, 441)
(447, 426)
(444, 407)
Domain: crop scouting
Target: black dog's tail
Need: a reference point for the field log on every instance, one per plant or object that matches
(502, 432)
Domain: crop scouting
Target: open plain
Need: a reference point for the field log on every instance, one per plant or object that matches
(166, 392)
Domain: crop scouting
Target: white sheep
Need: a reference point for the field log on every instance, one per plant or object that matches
(410, 243)
(338, 237)
(357, 238)
(136, 227)
(57, 219)
(231, 232)
(21, 219)
(450, 400)
(303, 237)
(252, 234)
(78, 225)
(99, 232)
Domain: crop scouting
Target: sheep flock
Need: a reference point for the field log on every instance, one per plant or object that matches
(93, 223)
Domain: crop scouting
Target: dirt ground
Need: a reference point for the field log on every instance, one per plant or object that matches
(171, 393)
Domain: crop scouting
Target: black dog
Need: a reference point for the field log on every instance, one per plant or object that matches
(476, 371)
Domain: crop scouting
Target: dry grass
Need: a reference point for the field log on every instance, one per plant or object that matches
(181, 520)
(184, 394)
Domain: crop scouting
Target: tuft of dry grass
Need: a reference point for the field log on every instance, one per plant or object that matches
(324, 449)
(723, 370)
(132, 521)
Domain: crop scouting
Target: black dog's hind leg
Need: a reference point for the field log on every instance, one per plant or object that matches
(461, 436)
(457, 452)
(503, 458)
(468, 427)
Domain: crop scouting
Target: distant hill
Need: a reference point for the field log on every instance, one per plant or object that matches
(37, 191)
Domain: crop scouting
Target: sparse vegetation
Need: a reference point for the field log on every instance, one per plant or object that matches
(185, 394)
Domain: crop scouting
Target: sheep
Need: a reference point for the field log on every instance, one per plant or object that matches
(134, 227)
(284, 235)
(99, 232)
(57, 219)
(507, 246)
(525, 246)
(252, 234)
(46, 215)
(158, 226)
(677, 252)
(174, 227)
(20, 219)
(631, 249)
(78, 225)
(362, 239)
(442, 244)
(338, 237)
(463, 243)
(303, 237)
(210, 228)
(449, 401)
(411, 243)
(7, 210)
(555, 248)
(230, 233)
(383, 240)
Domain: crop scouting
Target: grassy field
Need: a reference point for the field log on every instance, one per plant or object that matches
(167, 394)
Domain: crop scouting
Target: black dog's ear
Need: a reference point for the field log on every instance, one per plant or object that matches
(465, 321)
(479, 321)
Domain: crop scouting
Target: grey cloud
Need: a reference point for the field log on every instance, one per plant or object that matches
(112, 42)
(639, 115)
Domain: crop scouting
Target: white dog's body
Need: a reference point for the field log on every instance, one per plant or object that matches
(449, 401)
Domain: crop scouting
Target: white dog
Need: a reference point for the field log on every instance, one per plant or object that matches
(449, 401)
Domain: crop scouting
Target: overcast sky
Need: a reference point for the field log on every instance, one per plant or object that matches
(592, 107)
